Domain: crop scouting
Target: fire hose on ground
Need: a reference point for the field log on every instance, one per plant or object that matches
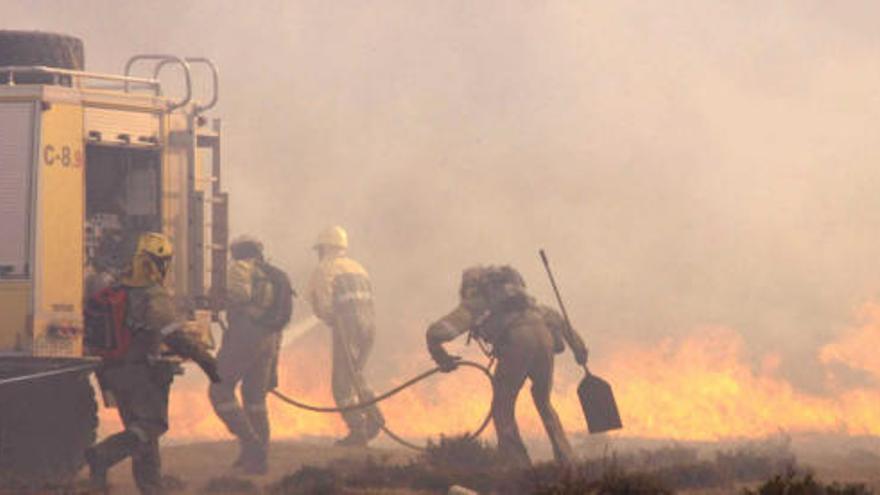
(390, 393)
(46, 374)
(320, 409)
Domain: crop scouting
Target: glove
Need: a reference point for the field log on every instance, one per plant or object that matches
(209, 365)
(449, 364)
(186, 347)
(446, 362)
(580, 355)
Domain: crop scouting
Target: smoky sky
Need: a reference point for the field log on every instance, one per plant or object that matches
(685, 163)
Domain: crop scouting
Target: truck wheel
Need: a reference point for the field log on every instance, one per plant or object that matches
(38, 48)
(45, 426)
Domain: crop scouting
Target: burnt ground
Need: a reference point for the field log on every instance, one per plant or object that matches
(693, 468)
(196, 465)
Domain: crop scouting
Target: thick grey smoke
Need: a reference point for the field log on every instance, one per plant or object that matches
(684, 162)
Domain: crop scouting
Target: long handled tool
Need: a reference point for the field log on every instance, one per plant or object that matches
(595, 394)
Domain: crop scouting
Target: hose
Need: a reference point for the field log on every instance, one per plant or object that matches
(394, 391)
(44, 374)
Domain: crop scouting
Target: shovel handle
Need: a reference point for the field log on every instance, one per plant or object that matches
(555, 288)
(571, 337)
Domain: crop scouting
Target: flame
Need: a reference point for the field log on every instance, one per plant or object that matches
(858, 347)
(701, 387)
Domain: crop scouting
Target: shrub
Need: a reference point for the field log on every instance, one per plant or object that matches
(793, 482)
(460, 453)
(614, 481)
(230, 484)
(309, 480)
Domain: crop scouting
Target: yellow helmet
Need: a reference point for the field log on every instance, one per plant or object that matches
(154, 244)
(334, 237)
(151, 260)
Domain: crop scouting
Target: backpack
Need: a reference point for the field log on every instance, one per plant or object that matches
(106, 333)
(278, 315)
(504, 289)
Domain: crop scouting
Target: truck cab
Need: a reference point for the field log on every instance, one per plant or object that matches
(86, 169)
(88, 162)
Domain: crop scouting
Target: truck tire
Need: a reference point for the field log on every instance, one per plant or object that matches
(45, 427)
(38, 48)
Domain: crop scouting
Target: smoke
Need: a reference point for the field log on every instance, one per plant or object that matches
(686, 164)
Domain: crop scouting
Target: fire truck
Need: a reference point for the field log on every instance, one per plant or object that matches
(88, 161)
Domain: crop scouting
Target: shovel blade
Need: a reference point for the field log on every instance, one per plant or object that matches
(600, 408)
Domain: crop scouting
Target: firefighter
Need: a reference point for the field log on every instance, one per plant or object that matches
(258, 307)
(140, 381)
(342, 297)
(523, 336)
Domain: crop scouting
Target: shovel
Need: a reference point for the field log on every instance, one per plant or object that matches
(597, 401)
(595, 394)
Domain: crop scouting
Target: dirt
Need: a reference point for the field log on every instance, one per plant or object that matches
(197, 464)
(192, 467)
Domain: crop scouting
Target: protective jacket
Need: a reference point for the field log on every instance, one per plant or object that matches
(248, 288)
(342, 297)
(338, 279)
(140, 382)
(248, 356)
(492, 300)
(523, 337)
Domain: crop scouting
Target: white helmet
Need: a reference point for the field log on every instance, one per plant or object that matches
(334, 237)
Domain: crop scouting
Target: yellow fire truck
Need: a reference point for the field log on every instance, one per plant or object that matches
(87, 162)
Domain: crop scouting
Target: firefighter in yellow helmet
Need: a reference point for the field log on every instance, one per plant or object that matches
(341, 295)
(140, 380)
(259, 306)
(523, 336)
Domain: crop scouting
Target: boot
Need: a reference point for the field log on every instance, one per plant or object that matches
(97, 470)
(373, 418)
(252, 458)
(372, 429)
(355, 438)
(147, 469)
(102, 456)
(237, 422)
(255, 460)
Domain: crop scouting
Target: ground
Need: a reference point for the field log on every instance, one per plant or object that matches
(198, 463)
(195, 465)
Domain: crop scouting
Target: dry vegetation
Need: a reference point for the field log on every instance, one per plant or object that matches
(758, 468)
(473, 464)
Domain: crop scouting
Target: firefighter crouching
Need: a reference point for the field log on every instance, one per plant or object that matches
(523, 337)
(134, 375)
(259, 306)
(342, 297)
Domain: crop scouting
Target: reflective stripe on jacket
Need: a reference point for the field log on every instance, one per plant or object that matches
(323, 293)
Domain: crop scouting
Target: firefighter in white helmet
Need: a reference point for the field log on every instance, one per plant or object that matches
(342, 297)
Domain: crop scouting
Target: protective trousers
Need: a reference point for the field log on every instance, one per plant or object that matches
(525, 351)
(249, 356)
(141, 394)
(351, 348)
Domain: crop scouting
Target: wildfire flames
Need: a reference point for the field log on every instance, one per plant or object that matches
(702, 387)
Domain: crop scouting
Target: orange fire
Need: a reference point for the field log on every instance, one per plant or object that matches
(701, 387)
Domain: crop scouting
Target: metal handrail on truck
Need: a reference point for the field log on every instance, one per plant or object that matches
(77, 76)
(163, 60)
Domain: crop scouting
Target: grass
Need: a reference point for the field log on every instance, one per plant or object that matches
(795, 482)
(476, 465)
